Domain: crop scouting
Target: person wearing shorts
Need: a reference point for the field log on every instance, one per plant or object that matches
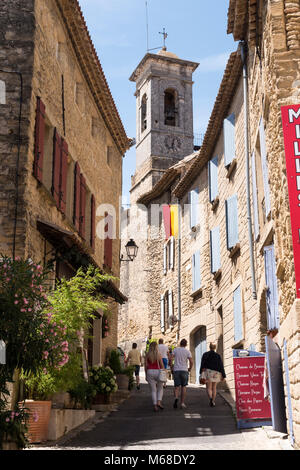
(164, 352)
(134, 359)
(183, 363)
(212, 370)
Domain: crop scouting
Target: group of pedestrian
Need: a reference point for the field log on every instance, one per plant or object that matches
(159, 357)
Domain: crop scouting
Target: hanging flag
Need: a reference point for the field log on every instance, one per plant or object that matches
(167, 220)
(174, 220)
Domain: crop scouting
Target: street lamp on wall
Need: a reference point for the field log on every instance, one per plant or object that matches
(131, 250)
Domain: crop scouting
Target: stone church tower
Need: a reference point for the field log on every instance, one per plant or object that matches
(164, 136)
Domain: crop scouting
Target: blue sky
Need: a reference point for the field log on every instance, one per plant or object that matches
(196, 31)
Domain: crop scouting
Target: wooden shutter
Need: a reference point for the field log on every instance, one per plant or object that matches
(165, 257)
(167, 221)
(215, 252)
(82, 206)
(254, 197)
(194, 207)
(232, 221)
(229, 139)
(108, 241)
(162, 313)
(63, 176)
(93, 221)
(171, 252)
(213, 178)
(196, 271)
(39, 140)
(237, 312)
(271, 282)
(56, 168)
(76, 212)
(170, 303)
(264, 164)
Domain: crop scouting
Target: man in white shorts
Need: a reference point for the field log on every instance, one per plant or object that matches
(183, 363)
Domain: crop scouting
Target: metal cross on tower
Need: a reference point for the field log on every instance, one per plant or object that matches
(165, 35)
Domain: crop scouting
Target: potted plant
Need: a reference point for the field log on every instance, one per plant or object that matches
(124, 375)
(83, 394)
(104, 381)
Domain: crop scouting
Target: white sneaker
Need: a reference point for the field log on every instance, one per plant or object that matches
(183, 405)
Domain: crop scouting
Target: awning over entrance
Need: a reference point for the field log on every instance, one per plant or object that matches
(76, 254)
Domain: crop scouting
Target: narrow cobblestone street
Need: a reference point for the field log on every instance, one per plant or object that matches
(135, 426)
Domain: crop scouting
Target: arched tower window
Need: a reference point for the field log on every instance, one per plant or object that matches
(144, 113)
(171, 109)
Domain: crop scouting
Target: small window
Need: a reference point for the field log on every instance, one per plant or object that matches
(95, 127)
(170, 109)
(79, 96)
(2, 92)
(144, 113)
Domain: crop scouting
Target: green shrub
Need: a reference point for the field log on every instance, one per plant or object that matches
(83, 394)
(104, 379)
(114, 361)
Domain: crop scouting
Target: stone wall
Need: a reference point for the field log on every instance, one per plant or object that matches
(17, 26)
(38, 43)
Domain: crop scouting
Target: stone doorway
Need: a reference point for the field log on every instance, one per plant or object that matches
(199, 347)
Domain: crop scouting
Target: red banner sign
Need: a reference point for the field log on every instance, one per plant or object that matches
(291, 133)
(249, 391)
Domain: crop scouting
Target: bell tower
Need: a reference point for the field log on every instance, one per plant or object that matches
(164, 111)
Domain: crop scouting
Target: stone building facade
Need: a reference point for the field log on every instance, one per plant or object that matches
(272, 32)
(61, 175)
(234, 273)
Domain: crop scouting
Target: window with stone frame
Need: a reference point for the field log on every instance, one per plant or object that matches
(169, 254)
(171, 107)
(144, 113)
(166, 310)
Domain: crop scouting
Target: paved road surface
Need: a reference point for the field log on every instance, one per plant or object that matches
(135, 426)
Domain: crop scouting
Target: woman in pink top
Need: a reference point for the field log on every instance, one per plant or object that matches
(153, 363)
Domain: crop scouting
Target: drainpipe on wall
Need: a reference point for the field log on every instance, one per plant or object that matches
(179, 268)
(243, 51)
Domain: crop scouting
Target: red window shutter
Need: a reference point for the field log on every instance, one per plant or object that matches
(108, 241)
(56, 167)
(82, 206)
(39, 140)
(63, 177)
(167, 221)
(76, 212)
(93, 221)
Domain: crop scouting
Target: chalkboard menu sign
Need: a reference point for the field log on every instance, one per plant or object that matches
(248, 376)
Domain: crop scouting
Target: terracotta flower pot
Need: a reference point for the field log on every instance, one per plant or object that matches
(122, 381)
(39, 416)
